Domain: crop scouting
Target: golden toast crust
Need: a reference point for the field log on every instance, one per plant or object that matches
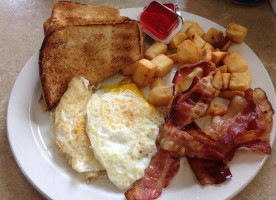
(94, 51)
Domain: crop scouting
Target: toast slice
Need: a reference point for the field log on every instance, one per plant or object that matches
(69, 13)
(93, 51)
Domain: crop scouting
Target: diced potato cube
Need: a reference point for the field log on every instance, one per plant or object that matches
(195, 29)
(187, 24)
(157, 82)
(125, 80)
(218, 56)
(208, 45)
(218, 110)
(160, 96)
(236, 105)
(164, 65)
(206, 53)
(187, 52)
(226, 45)
(222, 69)
(214, 37)
(240, 81)
(199, 42)
(144, 72)
(173, 56)
(128, 70)
(236, 32)
(177, 40)
(210, 110)
(217, 81)
(230, 94)
(155, 49)
(225, 80)
(235, 63)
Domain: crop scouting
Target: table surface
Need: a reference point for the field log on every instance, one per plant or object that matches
(21, 34)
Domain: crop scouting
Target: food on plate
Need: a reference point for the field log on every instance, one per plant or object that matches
(164, 65)
(162, 169)
(116, 130)
(69, 13)
(155, 49)
(122, 128)
(177, 40)
(188, 52)
(157, 82)
(236, 32)
(235, 62)
(240, 81)
(94, 51)
(160, 95)
(69, 132)
(144, 72)
(214, 37)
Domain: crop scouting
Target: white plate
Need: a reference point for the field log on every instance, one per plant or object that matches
(29, 137)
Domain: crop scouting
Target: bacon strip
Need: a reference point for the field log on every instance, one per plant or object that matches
(210, 171)
(249, 128)
(161, 170)
(190, 142)
(191, 104)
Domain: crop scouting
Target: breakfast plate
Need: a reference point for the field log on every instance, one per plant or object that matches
(34, 150)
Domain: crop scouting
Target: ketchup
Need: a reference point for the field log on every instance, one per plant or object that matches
(160, 19)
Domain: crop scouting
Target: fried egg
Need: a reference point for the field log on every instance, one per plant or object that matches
(122, 127)
(69, 131)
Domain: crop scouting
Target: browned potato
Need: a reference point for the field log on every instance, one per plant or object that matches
(217, 81)
(155, 49)
(161, 96)
(240, 81)
(230, 94)
(235, 62)
(177, 40)
(225, 80)
(226, 45)
(222, 69)
(187, 52)
(214, 37)
(199, 42)
(206, 53)
(218, 56)
(164, 65)
(144, 72)
(218, 110)
(208, 45)
(128, 70)
(195, 29)
(173, 56)
(157, 82)
(210, 110)
(187, 24)
(236, 32)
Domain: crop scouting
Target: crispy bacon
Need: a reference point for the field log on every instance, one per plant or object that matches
(161, 170)
(190, 142)
(250, 128)
(191, 104)
(210, 171)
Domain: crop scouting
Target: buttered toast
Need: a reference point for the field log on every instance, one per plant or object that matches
(94, 51)
(69, 13)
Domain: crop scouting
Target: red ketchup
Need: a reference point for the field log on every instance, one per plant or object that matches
(161, 21)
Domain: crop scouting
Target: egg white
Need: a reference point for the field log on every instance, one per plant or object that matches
(122, 128)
